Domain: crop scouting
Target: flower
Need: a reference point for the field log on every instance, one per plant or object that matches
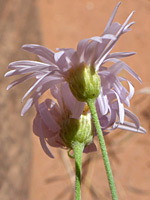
(84, 71)
(62, 123)
(58, 67)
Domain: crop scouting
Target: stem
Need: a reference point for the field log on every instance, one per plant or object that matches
(78, 149)
(91, 104)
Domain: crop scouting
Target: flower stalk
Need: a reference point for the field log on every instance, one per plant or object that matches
(91, 104)
(78, 149)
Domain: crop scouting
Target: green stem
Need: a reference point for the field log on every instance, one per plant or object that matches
(91, 104)
(78, 149)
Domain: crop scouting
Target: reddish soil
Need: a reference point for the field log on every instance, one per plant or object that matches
(63, 24)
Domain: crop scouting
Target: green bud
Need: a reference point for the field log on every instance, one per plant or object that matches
(77, 130)
(84, 83)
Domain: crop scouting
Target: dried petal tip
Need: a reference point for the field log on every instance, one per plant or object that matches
(74, 130)
(84, 82)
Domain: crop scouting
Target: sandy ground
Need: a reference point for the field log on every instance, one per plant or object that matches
(63, 24)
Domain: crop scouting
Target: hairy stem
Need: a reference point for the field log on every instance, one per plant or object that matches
(91, 104)
(78, 149)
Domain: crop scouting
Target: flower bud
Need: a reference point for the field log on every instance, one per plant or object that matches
(77, 130)
(84, 83)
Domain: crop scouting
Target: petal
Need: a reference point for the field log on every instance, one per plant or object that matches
(90, 53)
(20, 80)
(39, 91)
(109, 37)
(131, 87)
(75, 60)
(41, 51)
(126, 29)
(90, 148)
(56, 93)
(61, 61)
(27, 69)
(97, 39)
(105, 36)
(125, 24)
(120, 90)
(119, 65)
(43, 143)
(103, 103)
(70, 101)
(112, 16)
(120, 54)
(25, 64)
(82, 45)
(55, 141)
(130, 127)
(132, 117)
(47, 117)
(67, 101)
(36, 127)
(120, 108)
(77, 110)
(35, 85)
(112, 43)
(58, 55)
(27, 106)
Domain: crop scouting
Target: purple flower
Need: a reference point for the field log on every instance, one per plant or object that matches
(51, 117)
(56, 67)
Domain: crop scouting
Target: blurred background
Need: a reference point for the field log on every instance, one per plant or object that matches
(26, 173)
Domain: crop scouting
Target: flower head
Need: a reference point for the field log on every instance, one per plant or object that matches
(66, 64)
(84, 71)
(62, 123)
